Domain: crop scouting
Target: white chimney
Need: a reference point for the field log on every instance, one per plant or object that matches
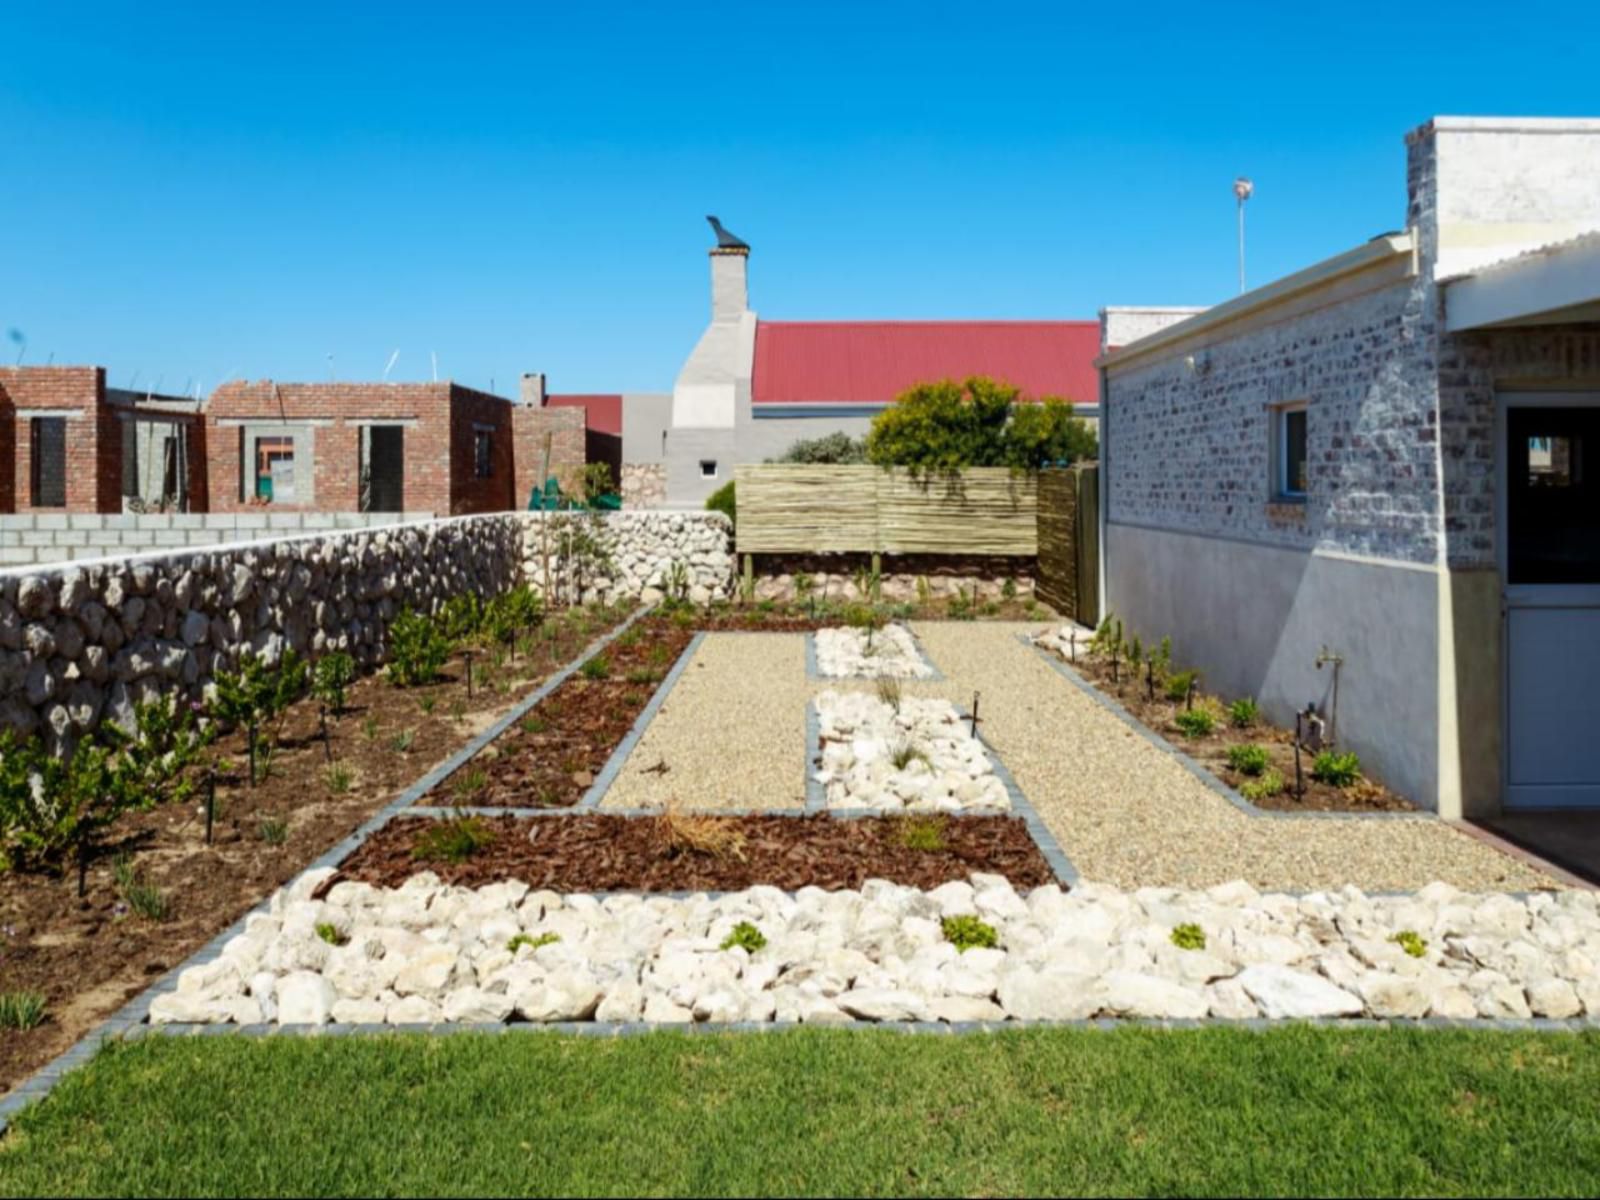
(533, 389)
(730, 292)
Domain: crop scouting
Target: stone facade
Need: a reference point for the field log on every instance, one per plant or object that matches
(904, 579)
(79, 645)
(644, 485)
(640, 552)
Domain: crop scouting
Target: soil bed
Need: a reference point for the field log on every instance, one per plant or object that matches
(1211, 750)
(600, 852)
(88, 956)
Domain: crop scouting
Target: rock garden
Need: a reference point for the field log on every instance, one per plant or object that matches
(868, 653)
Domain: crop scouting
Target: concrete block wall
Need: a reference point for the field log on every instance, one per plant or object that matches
(48, 537)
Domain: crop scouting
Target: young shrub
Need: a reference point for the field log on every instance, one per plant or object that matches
(725, 501)
(1248, 759)
(1179, 683)
(1412, 942)
(21, 1009)
(924, 833)
(50, 806)
(598, 667)
(533, 943)
(967, 932)
(745, 935)
(329, 932)
(1008, 589)
(534, 724)
(425, 704)
(1189, 936)
(403, 740)
(1268, 783)
(330, 677)
(460, 616)
(1195, 722)
(452, 840)
(1242, 714)
(143, 899)
(338, 776)
(274, 831)
(469, 782)
(1336, 770)
(417, 649)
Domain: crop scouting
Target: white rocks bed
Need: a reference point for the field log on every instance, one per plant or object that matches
(845, 654)
(425, 953)
(942, 766)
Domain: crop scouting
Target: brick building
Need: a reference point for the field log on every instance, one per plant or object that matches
(60, 441)
(1364, 460)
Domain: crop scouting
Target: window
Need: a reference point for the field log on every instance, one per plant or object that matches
(708, 468)
(274, 470)
(1289, 452)
(49, 461)
(483, 454)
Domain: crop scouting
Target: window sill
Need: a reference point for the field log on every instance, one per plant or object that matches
(1286, 510)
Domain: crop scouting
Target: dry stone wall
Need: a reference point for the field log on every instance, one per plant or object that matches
(83, 644)
(639, 553)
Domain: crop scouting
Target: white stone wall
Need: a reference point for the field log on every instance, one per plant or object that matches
(642, 548)
(83, 644)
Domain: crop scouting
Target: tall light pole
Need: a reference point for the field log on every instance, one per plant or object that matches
(1242, 188)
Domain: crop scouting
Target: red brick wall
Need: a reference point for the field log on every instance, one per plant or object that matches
(438, 442)
(94, 440)
(567, 454)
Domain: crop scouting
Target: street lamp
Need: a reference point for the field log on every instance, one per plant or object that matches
(1242, 188)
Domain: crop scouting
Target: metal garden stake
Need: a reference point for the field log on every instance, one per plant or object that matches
(251, 730)
(974, 717)
(322, 718)
(467, 657)
(211, 803)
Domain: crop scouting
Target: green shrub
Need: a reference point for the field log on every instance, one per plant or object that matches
(143, 899)
(831, 448)
(924, 832)
(330, 677)
(1337, 770)
(967, 932)
(746, 935)
(257, 694)
(725, 501)
(329, 932)
(21, 1009)
(338, 776)
(459, 616)
(1195, 722)
(1179, 683)
(50, 805)
(533, 943)
(1243, 713)
(1249, 759)
(274, 831)
(469, 782)
(598, 667)
(1269, 783)
(1412, 942)
(403, 740)
(976, 422)
(1189, 936)
(417, 649)
(452, 840)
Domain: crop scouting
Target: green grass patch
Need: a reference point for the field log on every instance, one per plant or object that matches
(1293, 1111)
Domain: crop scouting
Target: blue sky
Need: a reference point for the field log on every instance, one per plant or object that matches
(197, 191)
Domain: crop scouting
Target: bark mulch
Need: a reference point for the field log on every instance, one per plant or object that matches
(1211, 750)
(601, 853)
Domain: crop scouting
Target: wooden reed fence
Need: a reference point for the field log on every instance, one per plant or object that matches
(792, 509)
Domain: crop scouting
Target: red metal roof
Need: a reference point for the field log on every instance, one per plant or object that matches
(871, 362)
(603, 412)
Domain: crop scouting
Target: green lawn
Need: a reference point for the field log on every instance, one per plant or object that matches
(1213, 1111)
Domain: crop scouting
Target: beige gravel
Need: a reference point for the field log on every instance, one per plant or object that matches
(731, 733)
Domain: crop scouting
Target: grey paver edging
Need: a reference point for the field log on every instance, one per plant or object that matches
(813, 673)
(613, 767)
(1194, 768)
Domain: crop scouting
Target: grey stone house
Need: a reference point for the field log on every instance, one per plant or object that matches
(1385, 458)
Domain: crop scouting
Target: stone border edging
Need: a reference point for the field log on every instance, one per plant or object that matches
(1110, 704)
(816, 676)
(613, 766)
(134, 1014)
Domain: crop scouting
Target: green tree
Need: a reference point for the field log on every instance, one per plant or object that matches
(978, 422)
(834, 448)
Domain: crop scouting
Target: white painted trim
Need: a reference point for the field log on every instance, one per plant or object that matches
(1520, 288)
(1378, 251)
(45, 414)
(1516, 124)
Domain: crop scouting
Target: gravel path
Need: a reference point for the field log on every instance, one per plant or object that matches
(1127, 814)
(732, 732)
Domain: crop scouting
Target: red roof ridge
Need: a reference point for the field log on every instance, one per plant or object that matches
(1054, 322)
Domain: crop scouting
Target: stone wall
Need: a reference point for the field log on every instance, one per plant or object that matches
(641, 547)
(904, 578)
(643, 485)
(48, 537)
(79, 645)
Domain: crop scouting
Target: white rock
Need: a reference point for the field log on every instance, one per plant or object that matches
(1388, 995)
(413, 1010)
(1050, 995)
(1227, 1000)
(1135, 995)
(660, 1010)
(359, 1012)
(1555, 998)
(213, 980)
(428, 972)
(964, 1008)
(1284, 992)
(568, 998)
(1454, 1003)
(622, 1002)
(476, 1006)
(883, 1004)
(304, 998)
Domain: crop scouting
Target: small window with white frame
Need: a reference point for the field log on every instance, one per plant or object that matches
(708, 468)
(1289, 459)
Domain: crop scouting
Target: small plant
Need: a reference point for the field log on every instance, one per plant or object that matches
(967, 932)
(717, 837)
(924, 832)
(417, 649)
(889, 692)
(274, 831)
(644, 675)
(427, 704)
(1412, 942)
(1189, 936)
(338, 777)
(1269, 783)
(369, 728)
(1178, 685)
(1249, 759)
(963, 605)
(404, 740)
(598, 667)
(469, 782)
(329, 932)
(906, 753)
(21, 1010)
(1195, 722)
(532, 942)
(746, 936)
(330, 677)
(1008, 589)
(1335, 769)
(1242, 714)
(534, 724)
(143, 899)
(452, 840)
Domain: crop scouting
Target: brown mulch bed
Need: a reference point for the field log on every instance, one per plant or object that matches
(598, 852)
(1211, 750)
(88, 956)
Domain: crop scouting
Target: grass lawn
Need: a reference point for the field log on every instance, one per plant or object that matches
(1300, 1111)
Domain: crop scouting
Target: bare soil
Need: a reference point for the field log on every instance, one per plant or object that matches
(597, 852)
(89, 955)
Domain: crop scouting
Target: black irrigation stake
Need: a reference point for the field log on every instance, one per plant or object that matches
(1072, 643)
(322, 719)
(1299, 782)
(211, 802)
(251, 729)
(1188, 696)
(1116, 675)
(1150, 678)
(974, 717)
(511, 640)
(467, 656)
(83, 867)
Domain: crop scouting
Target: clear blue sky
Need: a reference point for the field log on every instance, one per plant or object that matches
(191, 191)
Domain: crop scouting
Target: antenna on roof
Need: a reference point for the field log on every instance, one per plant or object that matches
(131, 379)
(434, 354)
(390, 367)
(16, 336)
(50, 358)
